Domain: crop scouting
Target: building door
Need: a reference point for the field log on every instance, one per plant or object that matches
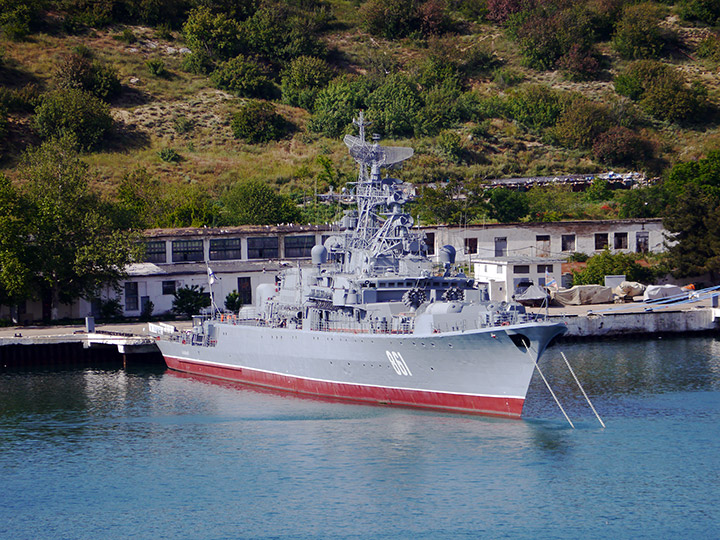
(500, 246)
(542, 245)
(642, 242)
(244, 290)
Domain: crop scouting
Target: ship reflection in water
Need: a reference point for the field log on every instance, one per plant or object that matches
(117, 454)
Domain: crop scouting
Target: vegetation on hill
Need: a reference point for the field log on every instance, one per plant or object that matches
(183, 109)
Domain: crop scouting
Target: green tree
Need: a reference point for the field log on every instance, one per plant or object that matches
(74, 248)
(507, 205)
(393, 106)
(80, 72)
(212, 35)
(608, 264)
(303, 79)
(535, 106)
(336, 104)
(251, 202)
(140, 203)
(232, 301)
(15, 271)
(692, 217)
(580, 123)
(189, 300)
(73, 112)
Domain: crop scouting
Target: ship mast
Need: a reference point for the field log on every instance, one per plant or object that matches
(382, 233)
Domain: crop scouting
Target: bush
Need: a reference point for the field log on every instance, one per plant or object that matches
(622, 146)
(581, 122)
(607, 264)
(17, 17)
(501, 10)
(579, 64)
(393, 106)
(75, 112)
(638, 33)
(258, 122)
(441, 109)
(535, 106)
(336, 104)
(391, 19)
(169, 155)
(189, 300)
(183, 125)
(706, 11)
(156, 67)
(110, 309)
(211, 36)
(147, 311)
(253, 202)
(232, 302)
(79, 72)
(244, 77)
(710, 48)
(303, 79)
(661, 91)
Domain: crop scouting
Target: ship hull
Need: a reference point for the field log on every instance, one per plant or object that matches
(485, 371)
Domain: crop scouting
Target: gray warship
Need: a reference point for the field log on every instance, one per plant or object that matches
(372, 319)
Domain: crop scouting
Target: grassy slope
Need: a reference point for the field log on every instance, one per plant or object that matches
(147, 111)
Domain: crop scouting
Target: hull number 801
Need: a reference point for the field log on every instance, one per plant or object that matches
(398, 363)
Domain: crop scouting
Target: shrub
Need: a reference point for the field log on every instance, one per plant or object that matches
(183, 125)
(506, 77)
(24, 99)
(710, 48)
(211, 36)
(441, 109)
(391, 19)
(638, 33)
(17, 17)
(661, 91)
(110, 308)
(80, 72)
(536, 106)
(706, 11)
(394, 105)
(243, 76)
(169, 155)
(579, 64)
(303, 79)
(501, 10)
(253, 202)
(258, 122)
(189, 300)
(336, 104)
(450, 145)
(232, 301)
(76, 112)
(147, 311)
(581, 122)
(608, 264)
(622, 146)
(156, 67)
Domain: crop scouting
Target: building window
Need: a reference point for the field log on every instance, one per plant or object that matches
(132, 299)
(155, 252)
(430, 243)
(225, 248)
(263, 247)
(620, 240)
(187, 250)
(642, 241)
(244, 290)
(568, 242)
(601, 241)
(542, 245)
(168, 287)
(471, 246)
(542, 268)
(521, 268)
(298, 246)
(500, 246)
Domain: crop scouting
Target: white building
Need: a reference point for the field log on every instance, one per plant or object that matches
(503, 275)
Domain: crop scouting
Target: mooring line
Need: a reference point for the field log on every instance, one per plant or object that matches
(582, 389)
(548, 386)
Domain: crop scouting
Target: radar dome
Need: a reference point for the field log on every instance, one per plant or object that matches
(318, 254)
(446, 254)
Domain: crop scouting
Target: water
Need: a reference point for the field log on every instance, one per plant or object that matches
(152, 454)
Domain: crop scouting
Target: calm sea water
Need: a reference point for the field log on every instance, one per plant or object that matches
(151, 454)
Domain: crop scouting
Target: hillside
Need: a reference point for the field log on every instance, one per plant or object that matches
(485, 103)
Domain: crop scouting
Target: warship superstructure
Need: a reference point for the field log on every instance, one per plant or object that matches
(373, 319)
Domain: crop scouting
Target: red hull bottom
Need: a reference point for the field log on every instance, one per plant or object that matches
(399, 397)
